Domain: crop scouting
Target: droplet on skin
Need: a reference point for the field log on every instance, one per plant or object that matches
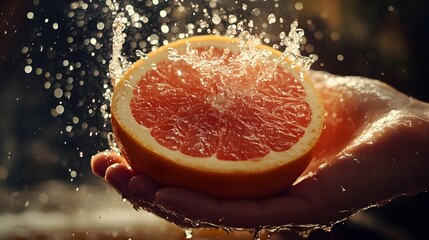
(188, 233)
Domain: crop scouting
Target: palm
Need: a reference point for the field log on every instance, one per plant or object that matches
(359, 160)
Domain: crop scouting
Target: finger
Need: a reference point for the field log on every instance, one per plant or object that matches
(143, 187)
(139, 191)
(195, 206)
(118, 176)
(101, 161)
(190, 205)
(143, 190)
(305, 203)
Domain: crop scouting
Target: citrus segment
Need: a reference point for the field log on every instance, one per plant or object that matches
(222, 134)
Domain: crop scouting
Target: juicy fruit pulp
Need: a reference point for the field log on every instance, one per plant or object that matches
(203, 117)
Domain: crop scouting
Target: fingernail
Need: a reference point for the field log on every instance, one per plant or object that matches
(101, 161)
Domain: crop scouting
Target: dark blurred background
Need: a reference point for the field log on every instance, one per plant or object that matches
(53, 66)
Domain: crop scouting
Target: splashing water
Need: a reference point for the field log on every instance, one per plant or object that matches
(118, 64)
(210, 66)
(251, 60)
(292, 43)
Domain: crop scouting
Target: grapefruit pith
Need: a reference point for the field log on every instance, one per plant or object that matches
(206, 123)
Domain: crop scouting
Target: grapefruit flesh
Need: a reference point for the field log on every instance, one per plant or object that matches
(187, 116)
(226, 136)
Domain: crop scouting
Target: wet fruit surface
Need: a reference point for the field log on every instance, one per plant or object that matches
(189, 113)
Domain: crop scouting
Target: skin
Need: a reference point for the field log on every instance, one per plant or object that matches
(375, 147)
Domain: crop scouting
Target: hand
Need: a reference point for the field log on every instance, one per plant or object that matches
(375, 147)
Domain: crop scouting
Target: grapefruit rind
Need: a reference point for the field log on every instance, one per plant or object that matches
(255, 178)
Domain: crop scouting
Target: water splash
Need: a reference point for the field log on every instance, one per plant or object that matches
(118, 64)
(113, 145)
(250, 56)
(293, 42)
(238, 70)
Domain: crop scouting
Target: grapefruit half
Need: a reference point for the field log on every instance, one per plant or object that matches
(226, 135)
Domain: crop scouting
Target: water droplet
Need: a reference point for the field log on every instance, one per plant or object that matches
(188, 233)
(73, 174)
(271, 18)
(165, 28)
(299, 6)
(232, 19)
(216, 19)
(30, 15)
(256, 12)
(43, 198)
(58, 93)
(141, 54)
(28, 69)
(153, 39)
